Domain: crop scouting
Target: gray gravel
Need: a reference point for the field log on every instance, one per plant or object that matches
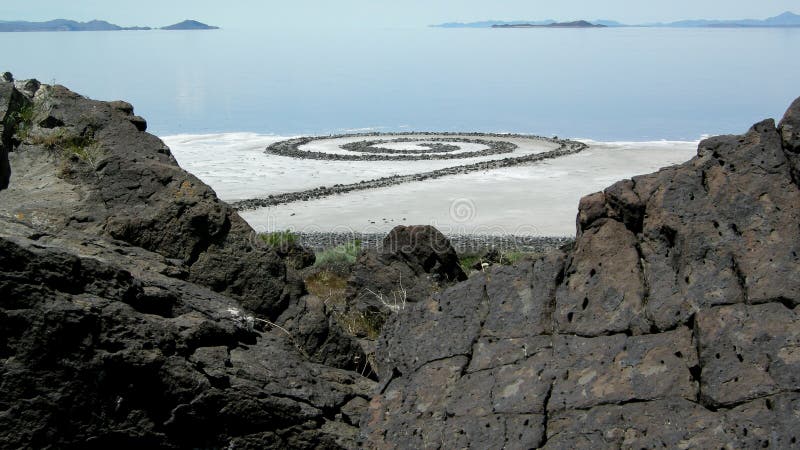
(462, 243)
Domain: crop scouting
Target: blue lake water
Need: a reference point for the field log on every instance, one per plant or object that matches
(603, 84)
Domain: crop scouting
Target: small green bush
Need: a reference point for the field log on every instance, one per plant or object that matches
(62, 140)
(23, 120)
(341, 255)
(71, 149)
(506, 258)
(467, 261)
(331, 286)
(279, 239)
(513, 257)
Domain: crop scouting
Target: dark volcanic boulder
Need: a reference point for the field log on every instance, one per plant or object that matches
(671, 323)
(95, 170)
(321, 337)
(101, 347)
(425, 250)
(411, 264)
(127, 299)
(11, 103)
(412, 260)
(790, 133)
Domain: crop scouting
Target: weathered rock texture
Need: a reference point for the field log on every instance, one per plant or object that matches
(101, 346)
(672, 323)
(412, 263)
(11, 102)
(132, 299)
(122, 183)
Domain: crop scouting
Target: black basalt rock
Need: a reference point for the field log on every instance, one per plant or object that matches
(136, 308)
(411, 263)
(671, 322)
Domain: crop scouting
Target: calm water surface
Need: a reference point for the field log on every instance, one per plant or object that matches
(604, 84)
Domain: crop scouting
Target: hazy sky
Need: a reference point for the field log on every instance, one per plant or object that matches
(246, 13)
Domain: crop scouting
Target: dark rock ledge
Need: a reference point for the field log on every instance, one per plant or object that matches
(672, 323)
(136, 308)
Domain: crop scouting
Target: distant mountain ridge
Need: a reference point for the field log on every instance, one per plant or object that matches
(575, 24)
(93, 25)
(784, 20)
(63, 25)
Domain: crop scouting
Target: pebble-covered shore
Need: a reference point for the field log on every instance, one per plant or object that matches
(319, 241)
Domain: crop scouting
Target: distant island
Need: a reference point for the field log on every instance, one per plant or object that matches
(190, 25)
(93, 25)
(785, 20)
(64, 25)
(575, 24)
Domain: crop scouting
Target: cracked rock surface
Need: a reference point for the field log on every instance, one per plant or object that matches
(412, 262)
(672, 322)
(130, 299)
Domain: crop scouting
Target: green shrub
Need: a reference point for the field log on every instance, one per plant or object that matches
(279, 239)
(71, 149)
(467, 261)
(341, 255)
(23, 120)
(331, 287)
(61, 140)
(510, 258)
(506, 258)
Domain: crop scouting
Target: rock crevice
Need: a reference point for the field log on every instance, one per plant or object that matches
(672, 322)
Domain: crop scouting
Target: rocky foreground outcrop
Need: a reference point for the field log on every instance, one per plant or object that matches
(673, 322)
(411, 263)
(88, 165)
(135, 307)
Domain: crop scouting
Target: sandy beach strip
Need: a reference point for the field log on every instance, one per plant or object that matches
(539, 199)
